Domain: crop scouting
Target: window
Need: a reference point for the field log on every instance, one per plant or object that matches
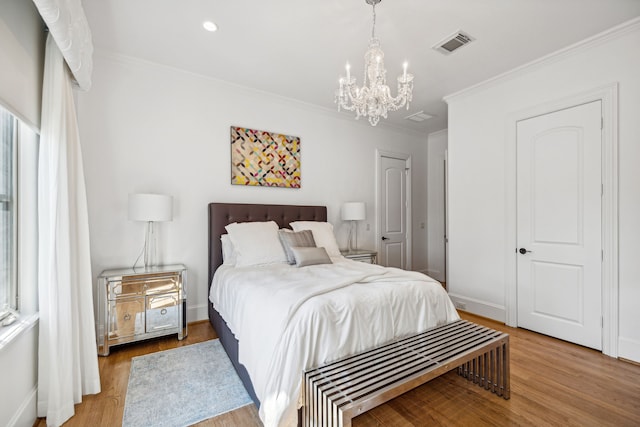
(8, 213)
(18, 219)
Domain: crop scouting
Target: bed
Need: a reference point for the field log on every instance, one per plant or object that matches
(306, 338)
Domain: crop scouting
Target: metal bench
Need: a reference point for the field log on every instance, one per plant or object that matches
(337, 392)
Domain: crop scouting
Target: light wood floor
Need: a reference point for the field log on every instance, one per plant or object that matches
(553, 383)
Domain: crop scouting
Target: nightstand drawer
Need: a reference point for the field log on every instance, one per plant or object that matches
(365, 258)
(127, 318)
(162, 312)
(135, 286)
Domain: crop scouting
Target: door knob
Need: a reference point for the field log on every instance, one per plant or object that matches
(523, 251)
(385, 238)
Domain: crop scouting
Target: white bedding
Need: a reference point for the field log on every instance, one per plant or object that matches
(288, 319)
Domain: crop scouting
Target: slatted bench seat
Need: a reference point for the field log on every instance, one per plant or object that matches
(337, 392)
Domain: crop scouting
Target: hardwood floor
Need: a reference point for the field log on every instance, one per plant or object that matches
(106, 408)
(553, 383)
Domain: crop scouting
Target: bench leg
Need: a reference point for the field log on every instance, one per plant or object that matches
(490, 370)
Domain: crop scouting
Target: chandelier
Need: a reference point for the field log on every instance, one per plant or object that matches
(373, 99)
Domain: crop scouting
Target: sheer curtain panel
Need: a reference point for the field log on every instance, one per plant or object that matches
(67, 357)
(69, 27)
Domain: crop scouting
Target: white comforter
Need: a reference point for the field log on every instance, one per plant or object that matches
(288, 319)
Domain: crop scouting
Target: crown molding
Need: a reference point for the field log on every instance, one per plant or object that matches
(559, 55)
(438, 132)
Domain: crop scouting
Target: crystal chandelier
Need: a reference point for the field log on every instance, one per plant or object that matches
(374, 98)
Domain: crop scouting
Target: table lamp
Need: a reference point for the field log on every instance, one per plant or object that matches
(150, 208)
(353, 211)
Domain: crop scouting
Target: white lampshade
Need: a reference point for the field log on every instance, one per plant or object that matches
(353, 211)
(150, 207)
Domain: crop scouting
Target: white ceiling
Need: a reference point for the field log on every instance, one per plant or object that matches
(298, 48)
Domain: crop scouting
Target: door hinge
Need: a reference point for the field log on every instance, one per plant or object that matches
(602, 254)
(601, 189)
(602, 322)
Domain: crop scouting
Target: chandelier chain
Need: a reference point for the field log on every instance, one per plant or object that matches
(373, 28)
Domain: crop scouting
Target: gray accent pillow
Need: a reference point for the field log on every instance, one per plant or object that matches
(299, 239)
(310, 256)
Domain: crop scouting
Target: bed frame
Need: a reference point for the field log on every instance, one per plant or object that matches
(222, 214)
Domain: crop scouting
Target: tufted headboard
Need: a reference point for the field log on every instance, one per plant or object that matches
(221, 214)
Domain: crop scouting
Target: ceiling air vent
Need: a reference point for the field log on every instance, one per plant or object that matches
(453, 42)
(420, 116)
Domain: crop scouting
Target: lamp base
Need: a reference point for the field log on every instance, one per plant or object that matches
(353, 226)
(150, 246)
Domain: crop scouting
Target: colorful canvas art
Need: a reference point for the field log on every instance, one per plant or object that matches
(264, 158)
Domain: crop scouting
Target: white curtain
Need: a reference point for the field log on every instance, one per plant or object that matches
(67, 357)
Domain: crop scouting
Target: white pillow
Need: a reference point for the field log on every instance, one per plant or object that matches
(256, 243)
(228, 253)
(322, 234)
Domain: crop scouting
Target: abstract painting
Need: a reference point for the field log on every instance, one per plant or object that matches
(264, 158)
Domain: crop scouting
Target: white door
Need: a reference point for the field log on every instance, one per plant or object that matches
(393, 212)
(559, 188)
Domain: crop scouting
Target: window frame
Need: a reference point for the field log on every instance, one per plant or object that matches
(24, 297)
(11, 200)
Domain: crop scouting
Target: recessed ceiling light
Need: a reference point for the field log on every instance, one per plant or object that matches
(210, 26)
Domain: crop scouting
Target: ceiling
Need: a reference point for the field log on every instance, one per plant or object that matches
(298, 48)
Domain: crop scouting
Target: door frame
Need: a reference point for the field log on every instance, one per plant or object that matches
(446, 215)
(608, 95)
(378, 201)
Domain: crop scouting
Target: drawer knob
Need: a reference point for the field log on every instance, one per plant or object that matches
(127, 316)
(163, 311)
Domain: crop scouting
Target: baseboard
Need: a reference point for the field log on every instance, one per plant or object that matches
(197, 312)
(26, 414)
(481, 308)
(629, 349)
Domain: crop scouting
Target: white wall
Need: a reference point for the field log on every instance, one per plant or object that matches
(478, 120)
(150, 128)
(19, 373)
(436, 148)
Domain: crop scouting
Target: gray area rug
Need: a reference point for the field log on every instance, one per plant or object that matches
(182, 386)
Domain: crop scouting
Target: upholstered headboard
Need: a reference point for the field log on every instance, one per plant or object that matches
(221, 214)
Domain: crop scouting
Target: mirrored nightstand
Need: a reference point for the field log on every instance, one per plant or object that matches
(138, 304)
(362, 255)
